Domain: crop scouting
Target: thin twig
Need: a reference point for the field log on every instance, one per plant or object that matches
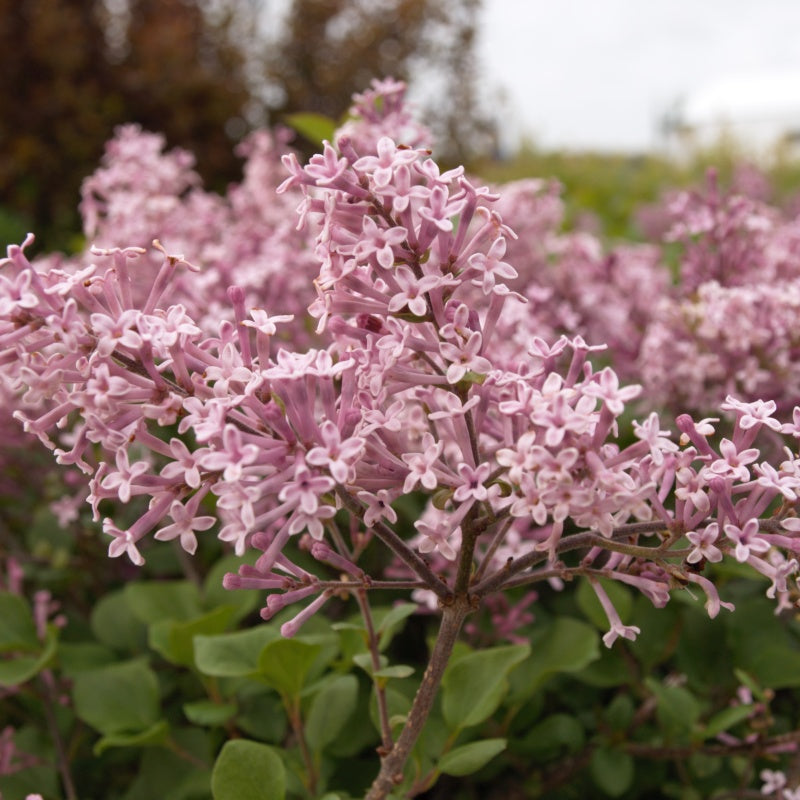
(367, 584)
(391, 772)
(296, 721)
(398, 547)
(48, 700)
(497, 540)
(380, 693)
(499, 579)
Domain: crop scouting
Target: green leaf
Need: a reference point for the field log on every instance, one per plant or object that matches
(364, 660)
(156, 734)
(612, 771)
(121, 698)
(262, 714)
(328, 644)
(701, 652)
(609, 669)
(17, 670)
(284, 664)
(677, 708)
(726, 719)
(550, 737)
(470, 757)
(348, 626)
(393, 622)
(760, 643)
(330, 710)
(114, 624)
(395, 671)
(352, 640)
(317, 128)
(247, 770)
(162, 773)
(208, 713)
(357, 734)
(232, 655)
(565, 645)
(40, 779)
(160, 600)
(775, 666)
(660, 632)
(473, 686)
(397, 703)
(175, 640)
(752, 685)
(17, 628)
(75, 657)
(619, 712)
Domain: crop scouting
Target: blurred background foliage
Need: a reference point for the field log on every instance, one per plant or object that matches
(609, 192)
(204, 73)
(73, 70)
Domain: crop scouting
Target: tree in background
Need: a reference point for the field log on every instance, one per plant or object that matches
(203, 72)
(75, 70)
(331, 49)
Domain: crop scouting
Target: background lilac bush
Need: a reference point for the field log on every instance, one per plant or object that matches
(452, 388)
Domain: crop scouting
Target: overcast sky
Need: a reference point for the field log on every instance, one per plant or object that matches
(601, 73)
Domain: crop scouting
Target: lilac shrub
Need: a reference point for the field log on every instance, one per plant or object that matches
(248, 237)
(178, 396)
(610, 303)
(729, 326)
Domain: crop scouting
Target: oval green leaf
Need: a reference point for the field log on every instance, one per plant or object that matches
(284, 664)
(612, 771)
(473, 686)
(232, 655)
(470, 757)
(247, 770)
(120, 698)
(330, 710)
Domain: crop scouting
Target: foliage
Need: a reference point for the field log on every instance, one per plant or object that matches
(330, 50)
(202, 72)
(617, 194)
(689, 705)
(74, 71)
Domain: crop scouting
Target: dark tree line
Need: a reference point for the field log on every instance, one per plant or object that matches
(203, 72)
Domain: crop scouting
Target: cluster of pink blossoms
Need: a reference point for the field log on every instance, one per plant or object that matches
(730, 325)
(725, 323)
(203, 420)
(612, 300)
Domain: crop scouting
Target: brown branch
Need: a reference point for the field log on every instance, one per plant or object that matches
(391, 772)
(499, 579)
(411, 559)
(380, 693)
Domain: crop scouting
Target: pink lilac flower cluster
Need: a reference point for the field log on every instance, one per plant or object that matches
(574, 284)
(248, 237)
(730, 325)
(413, 388)
(727, 325)
(382, 110)
(142, 193)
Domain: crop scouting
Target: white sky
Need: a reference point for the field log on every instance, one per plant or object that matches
(601, 73)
